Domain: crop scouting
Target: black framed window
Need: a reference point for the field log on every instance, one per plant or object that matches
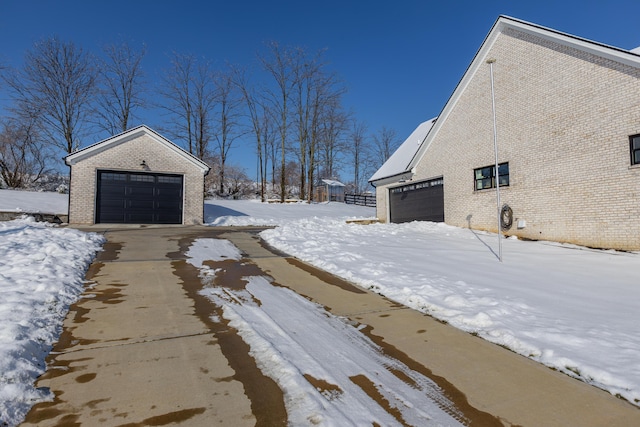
(634, 146)
(142, 178)
(485, 177)
(113, 176)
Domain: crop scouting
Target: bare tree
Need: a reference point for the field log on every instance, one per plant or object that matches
(385, 143)
(259, 119)
(227, 117)
(303, 73)
(190, 101)
(56, 85)
(357, 144)
(238, 182)
(23, 159)
(211, 181)
(121, 87)
(277, 63)
(331, 145)
(290, 179)
(316, 101)
(271, 145)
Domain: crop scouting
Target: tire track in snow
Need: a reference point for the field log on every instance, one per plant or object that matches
(330, 372)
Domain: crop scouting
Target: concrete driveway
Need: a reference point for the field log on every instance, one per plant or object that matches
(141, 348)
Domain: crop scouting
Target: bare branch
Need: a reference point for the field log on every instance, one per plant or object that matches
(56, 86)
(23, 158)
(121, 87)
(190, 97)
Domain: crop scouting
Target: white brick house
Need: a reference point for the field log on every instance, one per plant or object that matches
(568, 136)
(137, 176)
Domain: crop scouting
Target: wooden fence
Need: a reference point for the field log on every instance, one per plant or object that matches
(360, 199)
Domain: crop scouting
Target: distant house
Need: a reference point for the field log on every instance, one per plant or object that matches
(568, 136)
(329, 190)
(136, 177)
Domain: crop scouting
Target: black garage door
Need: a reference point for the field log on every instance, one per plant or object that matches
(419, 201)
(138, 198)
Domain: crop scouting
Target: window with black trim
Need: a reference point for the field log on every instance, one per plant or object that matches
(634, 146)
(486, 177)
(169, 179)
(113, 176)
(142, 178)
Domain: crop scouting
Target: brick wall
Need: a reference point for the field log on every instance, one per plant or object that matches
(563, 118)
(127, 157)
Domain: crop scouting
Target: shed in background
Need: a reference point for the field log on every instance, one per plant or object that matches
(329, 190)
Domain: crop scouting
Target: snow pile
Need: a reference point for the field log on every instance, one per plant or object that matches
(571, 308)
(41, 274)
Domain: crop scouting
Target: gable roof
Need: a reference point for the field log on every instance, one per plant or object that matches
(400, 161)
(631, 58)
(129, 135)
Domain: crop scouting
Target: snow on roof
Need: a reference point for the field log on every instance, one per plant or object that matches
(400, 160)
(333, 183)
(636, 50)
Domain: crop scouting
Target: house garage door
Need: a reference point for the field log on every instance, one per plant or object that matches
(138, 198)
(419, 201)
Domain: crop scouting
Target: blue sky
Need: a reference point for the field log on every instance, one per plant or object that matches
(400, 60)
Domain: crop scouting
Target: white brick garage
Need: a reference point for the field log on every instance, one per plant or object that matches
(136, 177)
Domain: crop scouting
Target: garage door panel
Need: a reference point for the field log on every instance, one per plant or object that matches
(147, 191)
(169, 192)
(112, 217)
(139, 218)
(167, 205)
(140, 204)
(113, 190)
(118, 203)
(139, 198)
(167, 218)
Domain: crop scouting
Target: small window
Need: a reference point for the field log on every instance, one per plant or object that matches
(113, 176)
(634, 145)
(170, 179)
(485, 177)
(142, 178)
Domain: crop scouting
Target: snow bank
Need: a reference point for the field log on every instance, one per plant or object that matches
(41, 275)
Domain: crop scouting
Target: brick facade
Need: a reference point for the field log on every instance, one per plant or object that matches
(159, 157)
(564, 117)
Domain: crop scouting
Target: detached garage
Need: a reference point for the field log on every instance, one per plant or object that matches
(136, 177)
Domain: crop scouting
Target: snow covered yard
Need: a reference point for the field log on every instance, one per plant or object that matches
(568, 307)
(41, 274)
(33, 202)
